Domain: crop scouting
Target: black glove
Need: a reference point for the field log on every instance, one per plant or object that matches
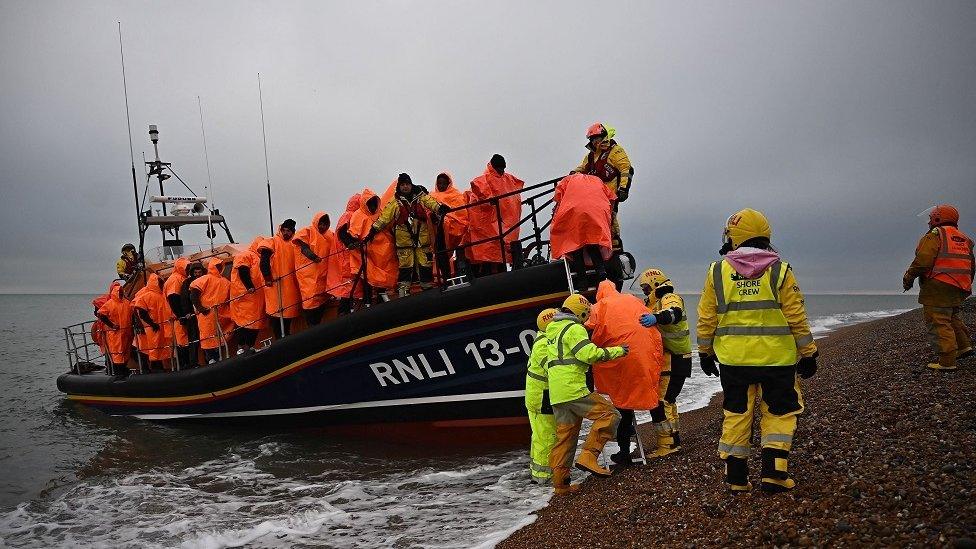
(369, 236)
(442, 210)
(154, 326)
(708, 365)
(807, 366)
(622, 194)
(111, 326)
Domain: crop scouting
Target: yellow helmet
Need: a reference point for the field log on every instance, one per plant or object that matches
(653, 279)
(544, 318)
(744, 225)
(579, 305)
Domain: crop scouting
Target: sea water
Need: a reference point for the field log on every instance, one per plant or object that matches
(70, 476)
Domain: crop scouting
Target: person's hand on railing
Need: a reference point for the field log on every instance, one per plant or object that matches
(204, 310)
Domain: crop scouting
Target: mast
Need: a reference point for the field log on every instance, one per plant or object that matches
(267, 178)
(132, 156)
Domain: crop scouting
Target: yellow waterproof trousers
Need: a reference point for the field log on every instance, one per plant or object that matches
(781, 403)
(947, 333)
(543, 439)
(569, 418)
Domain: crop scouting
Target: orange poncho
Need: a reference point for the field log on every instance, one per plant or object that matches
(119, 311)
(157, 344)
(283, 272)
(340, 273)
(455, 224)
(631, 381)
(247, 309)
(214, 292)
(382, 266)
(313, 278)
(582, 215)
(483, 220)
(174, 286)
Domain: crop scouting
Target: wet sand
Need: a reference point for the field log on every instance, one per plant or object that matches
(885, 455)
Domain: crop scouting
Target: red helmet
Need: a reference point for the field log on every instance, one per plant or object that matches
(596, 130)
(942, 214)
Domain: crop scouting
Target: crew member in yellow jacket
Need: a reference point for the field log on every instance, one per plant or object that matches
(607, 160)
(753, 323)
(537, 403)
(668, 313)
(571, 353)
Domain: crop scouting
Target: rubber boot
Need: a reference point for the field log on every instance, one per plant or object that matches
(964, 353)
(668, 443)
(940, 366)
(403, 289)
(587, 461)
(737, 474)
(775, 477)
(560, 481)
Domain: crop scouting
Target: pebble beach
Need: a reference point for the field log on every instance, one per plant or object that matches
(885, 455)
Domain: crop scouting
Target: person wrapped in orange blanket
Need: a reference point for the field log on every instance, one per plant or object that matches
(341, 277)
(247, 296)
(450, 234)
(281, 296)
(209, 295)
(631, 381)
(116, 314)
(173, 289)
(486, 257)
(381, 268)
(154, 314)
(316, 243)
(581, 224)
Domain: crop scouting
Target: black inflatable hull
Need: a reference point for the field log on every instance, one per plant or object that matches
(454, 358)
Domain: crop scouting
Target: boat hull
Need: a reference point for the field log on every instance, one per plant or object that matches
(448, 358)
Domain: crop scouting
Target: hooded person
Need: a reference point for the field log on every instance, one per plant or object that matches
(116, 314)
(142, 338)
(606, 159)
(210, 294)
(375, 258)
(408, 212)
(247, 296)
(571, 354)
(172, 289)
(194, 271)
(453, 226)
(156, 318)
(581, 223)
(752, 321)
(944, 267)
(282, 298)
(315, 243)
(487, 257)
(98, 329)
(341, 275)
(630, 381)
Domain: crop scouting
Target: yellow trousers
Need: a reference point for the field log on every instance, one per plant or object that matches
(947, 333)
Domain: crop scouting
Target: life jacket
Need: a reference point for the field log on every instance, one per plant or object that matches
(677, 336)
(536, 377)
(752, 329)
(597, 164)
(954, 262)
(412, 217)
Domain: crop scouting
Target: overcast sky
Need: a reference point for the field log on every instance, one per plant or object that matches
(840, 120)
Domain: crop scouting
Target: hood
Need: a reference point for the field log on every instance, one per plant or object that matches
(353, 203)
(256, 244)
(153, 285)
(315, 221)
(561, 315)
(364, 198)
(215, 266)
(115, 291)
(751, 262)
(179, 267)
(450, 184)
(606, 289)
(491, 171)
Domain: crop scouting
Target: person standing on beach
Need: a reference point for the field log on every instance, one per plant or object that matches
(753, 324)
(537, 403)
(944, 266)
(668, 313)
(571, 353)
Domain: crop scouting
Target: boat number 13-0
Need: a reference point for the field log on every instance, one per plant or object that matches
(489, 352)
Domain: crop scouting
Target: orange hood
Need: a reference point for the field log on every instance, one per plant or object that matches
(317, 217)
(364, 198)
(180, 266)
(153, 284)
(256, 244)
(215, 266)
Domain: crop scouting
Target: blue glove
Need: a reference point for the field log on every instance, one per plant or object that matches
(647, 320)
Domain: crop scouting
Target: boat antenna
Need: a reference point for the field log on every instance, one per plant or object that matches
(206, 157)
(267, 178)
(132, 156)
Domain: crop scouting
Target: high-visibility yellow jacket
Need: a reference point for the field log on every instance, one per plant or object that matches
(676, 336)
(409, 219)
(753, 322)
(571, 353)
(536, 378)
(616, 157)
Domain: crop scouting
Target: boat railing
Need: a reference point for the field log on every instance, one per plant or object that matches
(80, 347)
